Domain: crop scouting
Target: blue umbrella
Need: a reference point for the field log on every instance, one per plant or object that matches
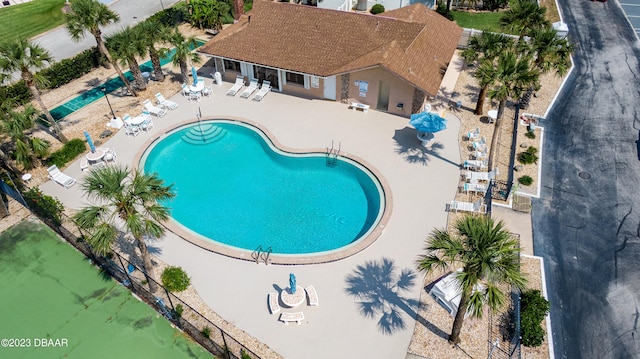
(194, 73)
(428, 122)
(292, 283)
(90, 141)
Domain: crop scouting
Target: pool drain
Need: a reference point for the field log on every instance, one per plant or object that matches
(584, 175)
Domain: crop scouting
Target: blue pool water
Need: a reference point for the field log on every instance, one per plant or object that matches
(233, 187)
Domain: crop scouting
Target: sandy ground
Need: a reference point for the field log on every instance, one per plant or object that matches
(427, 339)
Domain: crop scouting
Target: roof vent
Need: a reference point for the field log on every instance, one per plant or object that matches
(377, 25)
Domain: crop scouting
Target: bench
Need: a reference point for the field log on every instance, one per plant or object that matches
(312, 295)
(359, 106)
(292, 317)
(274, 307)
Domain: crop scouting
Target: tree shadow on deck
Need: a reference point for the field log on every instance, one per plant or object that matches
(411, 148)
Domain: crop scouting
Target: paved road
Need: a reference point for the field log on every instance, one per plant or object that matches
(587, 222)
(59, 43)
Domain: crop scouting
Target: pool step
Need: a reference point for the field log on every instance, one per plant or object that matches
(203, 134)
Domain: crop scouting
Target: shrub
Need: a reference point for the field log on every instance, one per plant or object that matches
(530, 135)
(525, 180)
(175, 279)
(534, 307)
(244, 355)
(377, 9)
(68, 152)
(529, 156)
(44, 206)
(178, 311)
(172, 16)
(206, 332)
(442, 10)
(67, 70)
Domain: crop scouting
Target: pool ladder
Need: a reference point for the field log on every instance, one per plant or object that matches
(332, 154)
(261, 255)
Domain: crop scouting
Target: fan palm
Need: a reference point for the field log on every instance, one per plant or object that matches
(183, 52)
(488, 255)
(551, 52)
(126, 45)
(523, 17)
(129, 197)
(485, 48)
(152, 33)
(21, 55)
(27, 150)
(90, 15)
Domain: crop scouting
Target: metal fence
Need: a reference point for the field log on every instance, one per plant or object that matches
(182, 315)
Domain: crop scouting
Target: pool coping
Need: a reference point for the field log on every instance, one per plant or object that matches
(238, 253)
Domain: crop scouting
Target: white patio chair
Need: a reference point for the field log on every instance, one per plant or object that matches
(154, 110)
(147, 124)
(165, 103)
(194, 96)
(479, 145)
(477, 206)
(60, 178)
(481, 176)
(264, 90)
(475, 187)
(236, 86)
(130, 129)
(480, 154)
(207, 90)
(253, 85)
(471, 135)
(111, 155)
(84, 163)
(185, 90)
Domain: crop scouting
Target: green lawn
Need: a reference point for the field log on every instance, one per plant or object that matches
(486, 21)
(30, 19)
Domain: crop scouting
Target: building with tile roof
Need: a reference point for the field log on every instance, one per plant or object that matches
(390, 61)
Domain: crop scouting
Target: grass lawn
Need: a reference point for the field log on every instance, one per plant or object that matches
(485, 21)
(30, 19)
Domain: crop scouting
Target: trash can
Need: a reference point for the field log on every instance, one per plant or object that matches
(218, 77)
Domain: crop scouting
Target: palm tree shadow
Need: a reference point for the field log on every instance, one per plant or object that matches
(379, 289)
(412, 149)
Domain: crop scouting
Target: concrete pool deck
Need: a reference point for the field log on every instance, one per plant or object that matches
(421, 182)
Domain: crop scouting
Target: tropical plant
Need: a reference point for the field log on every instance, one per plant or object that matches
(27, 58)
(488, 254)
(208, 14)
(27, 150)
(153, 32)
(550, 51)
(183, 52)
(68, 152)
(485, 48)
(89, 16)
(125, 46)
(534, 308)
(523, 17)
(127, 196)
(525, 180)
(175, 279)
(529, 156)
(377, 9)
(43, 205)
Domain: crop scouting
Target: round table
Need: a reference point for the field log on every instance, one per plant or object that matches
(493, 115)
(96, 156)
(26, 177)
(292, 299)
(426, 138)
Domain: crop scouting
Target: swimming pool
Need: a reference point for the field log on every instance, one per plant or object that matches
(236, 188)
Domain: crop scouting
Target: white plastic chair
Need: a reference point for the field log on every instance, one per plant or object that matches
(264, 90)
(473, 134)
(165, 103)
(479, 145)
(154, 110)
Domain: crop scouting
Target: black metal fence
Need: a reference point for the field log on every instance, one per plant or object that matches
(182, 315)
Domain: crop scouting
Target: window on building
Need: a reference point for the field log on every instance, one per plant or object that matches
(297, 79)
(230, 65)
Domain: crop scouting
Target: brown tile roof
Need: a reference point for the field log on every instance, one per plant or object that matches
(413, 42)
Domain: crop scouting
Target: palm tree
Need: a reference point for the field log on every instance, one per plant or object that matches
(488, 255)
(152, 33)
(183, 52)
(207, 14)
(127, 196)
(524, 16)
(23, 56)
(550, 51)
(89, 15)
(27, 150)
(126, 45)
(485, 48)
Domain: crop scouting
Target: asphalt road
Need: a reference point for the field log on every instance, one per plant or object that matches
(61, 46)
(587, 222)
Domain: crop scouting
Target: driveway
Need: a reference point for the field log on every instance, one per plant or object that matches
(587, 221)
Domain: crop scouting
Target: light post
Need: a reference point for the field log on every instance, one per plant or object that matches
(104, 91)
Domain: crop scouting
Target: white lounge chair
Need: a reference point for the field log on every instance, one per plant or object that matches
(475, 164)
(476, 206)
(481, 176)
(480, 154)
(253, 85)
(274, 307)
(312, 295)
(59, 177)
(154, 110)
(264, 90)
(165, 103)
(236, 86)
(479, 145)
(473, 134)
(475, 187)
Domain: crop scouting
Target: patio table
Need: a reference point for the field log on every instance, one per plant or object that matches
(95, 156)
(292, 299)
